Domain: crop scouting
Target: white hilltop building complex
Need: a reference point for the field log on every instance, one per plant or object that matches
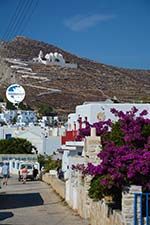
(53, 59)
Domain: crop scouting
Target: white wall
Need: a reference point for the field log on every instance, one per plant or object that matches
(36, 140)
(71, 186)
(72, 117)
(91, 110)
(5, 130)
(51, 144)
(58, 131)
(67, 160)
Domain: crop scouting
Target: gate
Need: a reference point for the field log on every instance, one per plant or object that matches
(142, 209)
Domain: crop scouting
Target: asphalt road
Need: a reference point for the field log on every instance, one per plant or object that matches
(34, 203)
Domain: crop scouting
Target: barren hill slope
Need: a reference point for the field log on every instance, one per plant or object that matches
(64, 88)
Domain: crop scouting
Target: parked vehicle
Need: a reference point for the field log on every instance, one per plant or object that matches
(30, 168)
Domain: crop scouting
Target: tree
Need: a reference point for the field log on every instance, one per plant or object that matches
(16, 146)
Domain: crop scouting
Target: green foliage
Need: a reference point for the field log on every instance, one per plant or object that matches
(96, 190)
(51, 165)
(45, 110)
(23, 106)
(2, 123)
(41, 160)
(116, 135)
(146, 130)
(15, 146)
(14, 120)
(10, 106)
(48, 162)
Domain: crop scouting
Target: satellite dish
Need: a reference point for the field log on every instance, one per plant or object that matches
(15, 93)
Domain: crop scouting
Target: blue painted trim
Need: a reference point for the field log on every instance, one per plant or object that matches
(135, 209)
(147, 207)
(141, 216)
(136, 197)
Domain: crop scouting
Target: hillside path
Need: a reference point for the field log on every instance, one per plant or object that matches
(34, 203)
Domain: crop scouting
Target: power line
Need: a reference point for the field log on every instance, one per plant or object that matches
(13, 19)
(29, 17)
(19, 20)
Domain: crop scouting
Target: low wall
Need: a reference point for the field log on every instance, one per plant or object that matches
(100, 214)
(57, 185)
(97, 212)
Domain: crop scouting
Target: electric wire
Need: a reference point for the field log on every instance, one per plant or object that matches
(13, 19)
(29, 17)
(20, 19)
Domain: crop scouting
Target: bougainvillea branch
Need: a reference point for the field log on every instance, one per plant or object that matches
(125, 154)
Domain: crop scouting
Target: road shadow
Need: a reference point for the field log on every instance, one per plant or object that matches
(11, 201)
(5, 215)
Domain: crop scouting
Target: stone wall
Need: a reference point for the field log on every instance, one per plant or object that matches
(91, 148)
(57, 184)
(128, 204)
(99, 213)
(75, 192)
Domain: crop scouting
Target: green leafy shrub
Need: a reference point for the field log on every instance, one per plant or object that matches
(48, 162)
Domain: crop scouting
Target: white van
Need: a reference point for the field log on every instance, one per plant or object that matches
(30, 166)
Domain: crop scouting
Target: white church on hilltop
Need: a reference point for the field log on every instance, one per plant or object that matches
(53, 59)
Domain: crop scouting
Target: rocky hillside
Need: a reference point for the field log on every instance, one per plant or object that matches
(64, 88)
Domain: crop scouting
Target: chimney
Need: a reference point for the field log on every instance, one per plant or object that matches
(93, 132)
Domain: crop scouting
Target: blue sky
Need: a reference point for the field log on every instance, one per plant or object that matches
(114, 32)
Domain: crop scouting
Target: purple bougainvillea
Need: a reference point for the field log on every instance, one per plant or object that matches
(125, 154)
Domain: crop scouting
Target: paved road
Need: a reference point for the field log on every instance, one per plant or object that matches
(34, 203)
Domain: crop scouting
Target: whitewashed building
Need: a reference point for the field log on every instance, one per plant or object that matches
(70, 150)
(54, 59)
(22, 117)
(96, 111)
(41, 138)
(26, 117)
